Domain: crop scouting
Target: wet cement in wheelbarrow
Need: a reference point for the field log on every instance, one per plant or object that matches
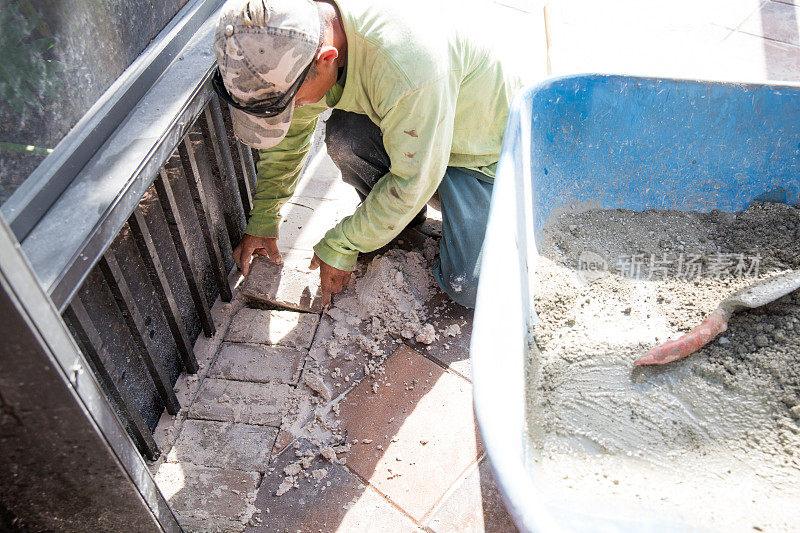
(713, 440)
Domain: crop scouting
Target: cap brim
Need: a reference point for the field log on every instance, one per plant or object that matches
(261, 132)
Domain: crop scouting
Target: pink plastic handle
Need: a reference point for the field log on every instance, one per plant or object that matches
(713, 325)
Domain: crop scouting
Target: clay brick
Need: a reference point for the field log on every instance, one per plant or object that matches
(224, 445)
(285, 328)
(238, 401)
(258, 363)
(287, 285)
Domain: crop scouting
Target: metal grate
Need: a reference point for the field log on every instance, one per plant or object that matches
(136, 325)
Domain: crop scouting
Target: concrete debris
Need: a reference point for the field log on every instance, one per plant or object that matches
(427, 335)
(286, 485)
(328, 454)
(319, 474)
(452, 330)
(292, 469)
(315, 382)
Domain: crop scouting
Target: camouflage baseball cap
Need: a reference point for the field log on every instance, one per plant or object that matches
(262, 49)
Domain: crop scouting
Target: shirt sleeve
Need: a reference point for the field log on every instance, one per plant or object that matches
(417, 134)
(278, 170)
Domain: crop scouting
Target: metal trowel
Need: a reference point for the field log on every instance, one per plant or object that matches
(755, 295)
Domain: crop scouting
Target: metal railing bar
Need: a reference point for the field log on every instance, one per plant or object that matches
(250, 169)
(41, 189)
(141, 337)
(240, 163)
(178, 232)
(204, 166)
(191, 172)
(244, 181)
(256, 158)
(214, 133)
(63, 274)
(155, 270)
(103, 367)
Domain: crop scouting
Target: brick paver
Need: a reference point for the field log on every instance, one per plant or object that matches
(258, 363)
(224, 445)
(207, 499)
(287, 285)
(240, 401)
(416, 435)
(285, 328)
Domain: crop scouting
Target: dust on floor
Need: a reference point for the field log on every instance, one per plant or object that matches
(712, 440)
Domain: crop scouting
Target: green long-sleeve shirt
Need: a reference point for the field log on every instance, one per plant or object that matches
(439, 93)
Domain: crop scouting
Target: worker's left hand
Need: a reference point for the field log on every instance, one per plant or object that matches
(333, 280)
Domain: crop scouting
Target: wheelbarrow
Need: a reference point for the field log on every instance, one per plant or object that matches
(606, 142)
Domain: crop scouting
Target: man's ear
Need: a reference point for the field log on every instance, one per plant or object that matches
(328, 54)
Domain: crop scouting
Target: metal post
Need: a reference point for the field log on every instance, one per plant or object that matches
(192, 174)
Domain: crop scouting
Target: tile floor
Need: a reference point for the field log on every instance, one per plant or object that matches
(416, 461)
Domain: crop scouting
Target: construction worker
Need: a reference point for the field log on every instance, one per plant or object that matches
(419, 106)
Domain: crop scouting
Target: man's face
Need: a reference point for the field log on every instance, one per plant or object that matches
(318, 82)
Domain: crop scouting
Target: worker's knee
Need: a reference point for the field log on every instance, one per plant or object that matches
(460, 284)
(465, 210)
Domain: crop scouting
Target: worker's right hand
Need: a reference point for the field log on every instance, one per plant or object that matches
(250, 245)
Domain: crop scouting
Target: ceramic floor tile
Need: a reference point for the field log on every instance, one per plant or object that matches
(239, 401)
(528, 6)
(474, 505)
(658, 15)
(258, 363)
(285, 328)
(340, 361)
(334, 501)
(776, 21)
(744, 57)
(224, 445)
(415, 430)
(633, 50)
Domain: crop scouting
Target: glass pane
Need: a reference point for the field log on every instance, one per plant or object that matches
(56, 59)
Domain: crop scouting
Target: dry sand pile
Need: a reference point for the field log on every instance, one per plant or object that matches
(713, 439)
